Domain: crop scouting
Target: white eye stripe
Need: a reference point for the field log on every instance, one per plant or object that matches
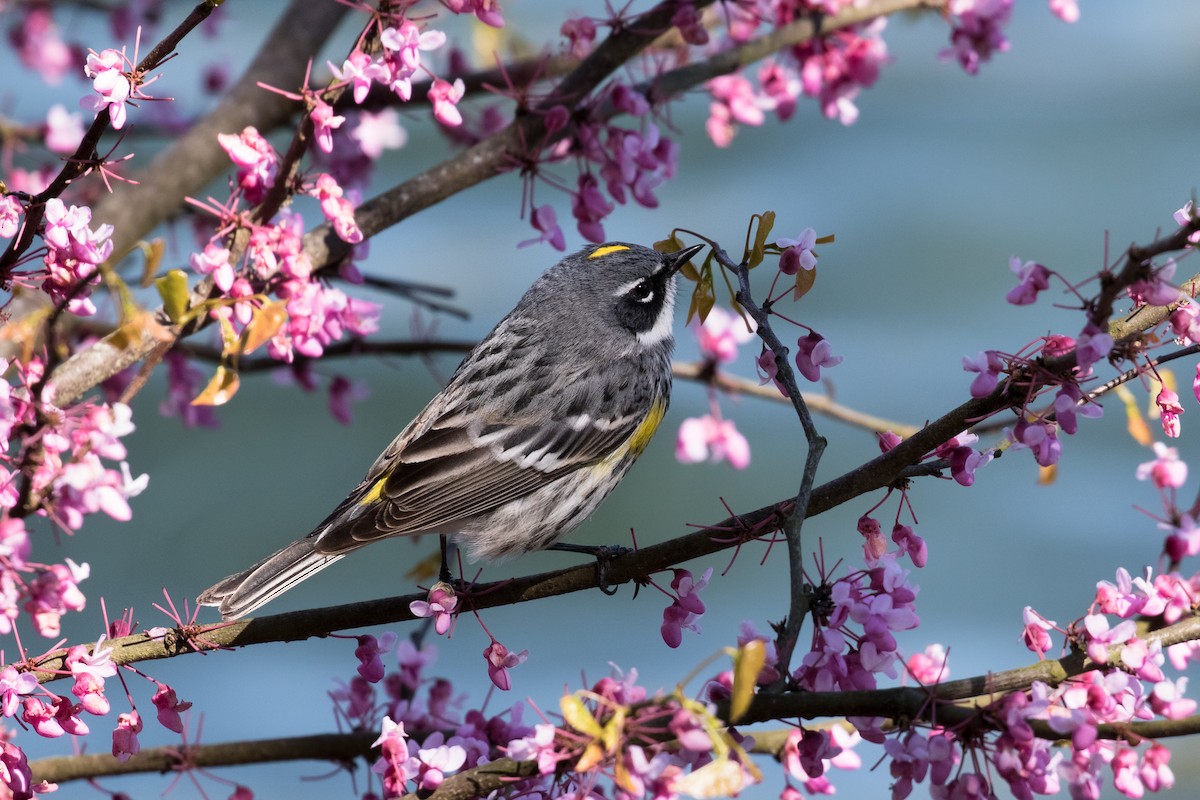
(631, 289)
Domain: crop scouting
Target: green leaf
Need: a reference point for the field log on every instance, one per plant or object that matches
(766, 221)
(173, 289)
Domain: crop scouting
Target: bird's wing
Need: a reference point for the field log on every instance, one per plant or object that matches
(458, 468)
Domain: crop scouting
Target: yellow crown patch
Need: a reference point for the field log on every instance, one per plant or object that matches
(600, 252)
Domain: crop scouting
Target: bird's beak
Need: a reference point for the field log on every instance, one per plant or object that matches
(676, 260)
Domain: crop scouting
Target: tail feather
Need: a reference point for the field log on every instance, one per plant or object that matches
(245, 591)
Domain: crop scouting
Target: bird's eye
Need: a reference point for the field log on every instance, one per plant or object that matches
(642, 291)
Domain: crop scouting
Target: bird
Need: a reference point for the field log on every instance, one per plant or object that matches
(541, 420)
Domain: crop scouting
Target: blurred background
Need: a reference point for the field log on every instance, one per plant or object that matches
(1080, 133)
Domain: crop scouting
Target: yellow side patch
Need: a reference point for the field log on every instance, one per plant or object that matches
(600, 252)
(645, 431)
(375, 492)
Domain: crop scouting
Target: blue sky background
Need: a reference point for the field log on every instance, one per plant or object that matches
(1079, 131)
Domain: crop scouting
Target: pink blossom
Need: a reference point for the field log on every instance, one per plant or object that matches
(14, 685)
(110, 84)
(929, 666)
(1100, 636)
(442, 605)
(1066, 10)
(539, 746)
(169, 708)
(1125, 773)
(989, 366)
(436, 758)
(360, 70)
(1166, 471)
(10, 216)
(589, 207)
(1187, 216)
(500, 661)
(336, 208)
(1169, 410)
(580, 33)
(324, 123)
(1169, 699)
(39, 45)
(686, 608)
(1032, 278)
(709, 438)
(54, 592)
(214, 260)
(370, 665)
(910, 544)
(1156, 773)
(394, 764)
(545, 220)
(734, 100)
(812, 353)
(15, 773)
(875, 545)
(798, 253)
(768, 369)
(1040, 438)
(1092, 345)
(1158, 289)
(64, 130)
(376, 132)
(977, 31)
(1036, 632)
(721, 333)
(255, 159)
(445, 96)
(486, 11)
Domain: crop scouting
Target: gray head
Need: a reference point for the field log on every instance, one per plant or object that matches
(617, 290)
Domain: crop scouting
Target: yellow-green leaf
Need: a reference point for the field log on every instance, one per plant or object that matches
(766, 221)
(229, 337)
(153, 252)
(613, 729)
(220, 389)
(173, 289)
(265, 323)
(577, 715)
(747, 664)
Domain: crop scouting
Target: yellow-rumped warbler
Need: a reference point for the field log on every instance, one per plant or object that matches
(538, 424)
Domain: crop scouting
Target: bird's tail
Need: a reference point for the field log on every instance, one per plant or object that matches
(245, 591)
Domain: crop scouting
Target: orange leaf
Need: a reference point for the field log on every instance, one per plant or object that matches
(1134, 422)
(805, 278)
(220, 389)
(265, 323)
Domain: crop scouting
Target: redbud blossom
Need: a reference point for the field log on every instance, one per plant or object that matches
(798, 253)
(1166, 471)
(721, 333)
(500, 661)
(1169, 410)
(708, 438)
(110, 84)
(1032, 277)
